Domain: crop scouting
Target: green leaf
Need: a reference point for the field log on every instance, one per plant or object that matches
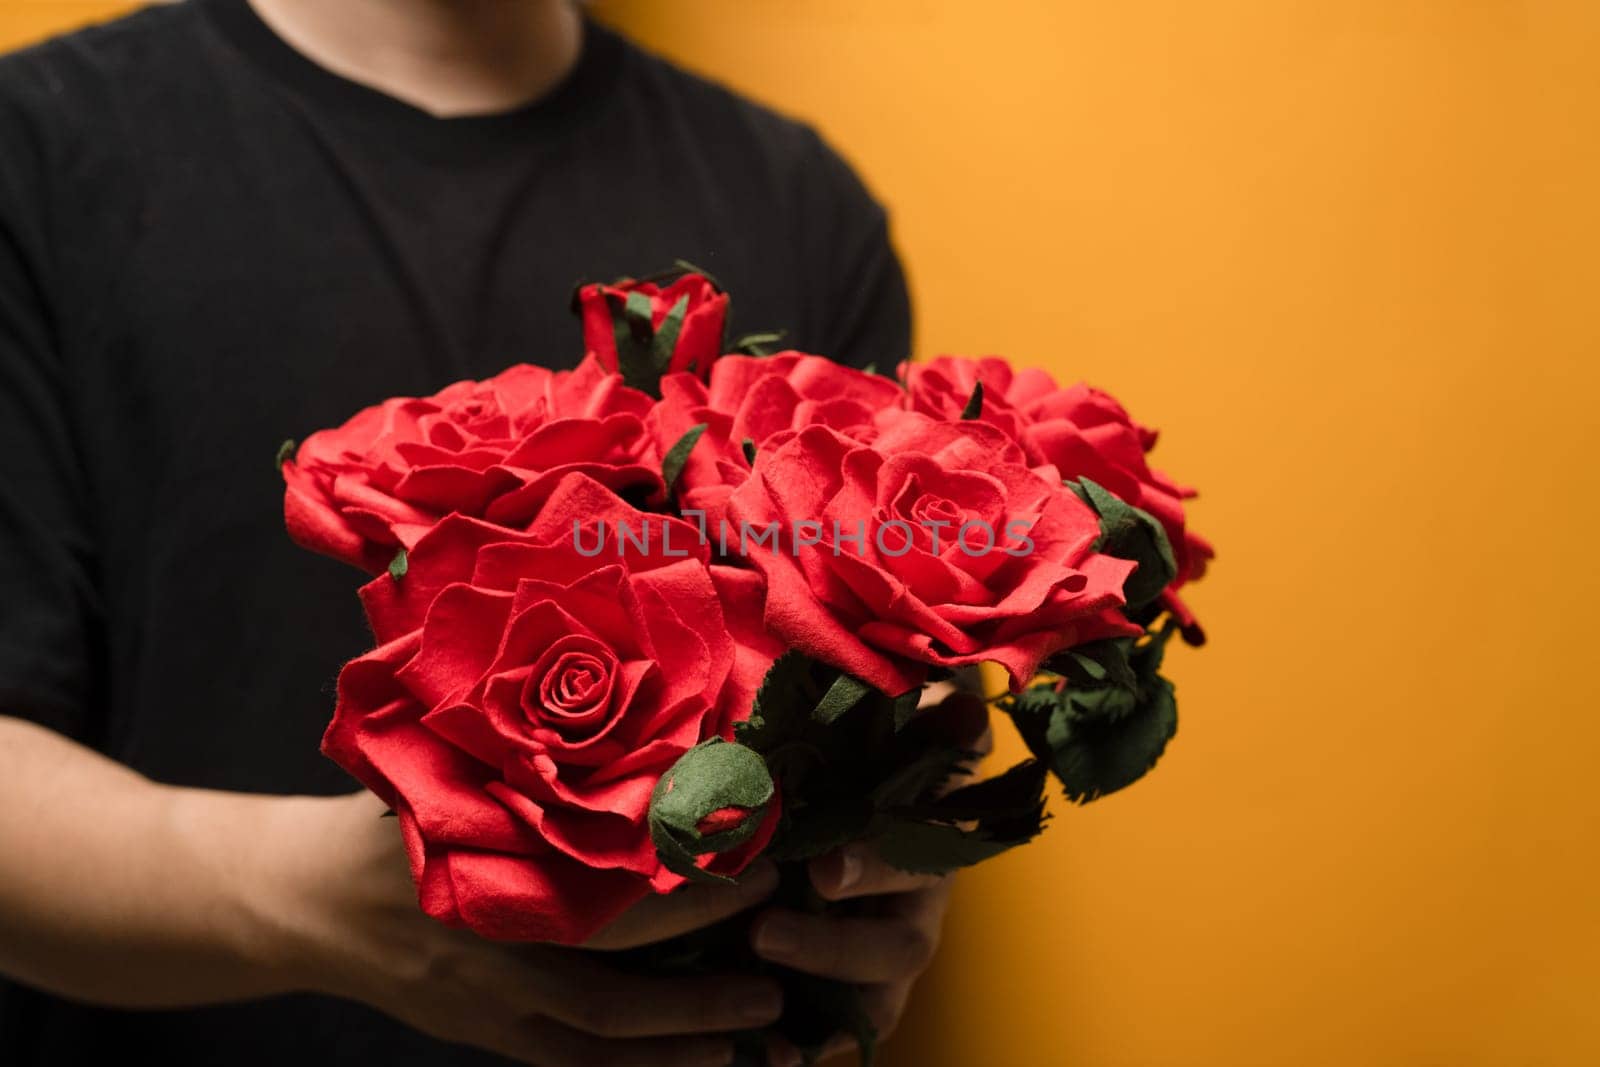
(1016, 794)
(683, 266)
(758, 344)
(666, 335)
(1101, 679)
(939, 848)
(920, 775)
(817, 829)
(677, 456)
(1127, 532)
(781, 710)
(1101, 738)
(974, 406)
(905, 708)
(399, 565)
(713, 776)
(1004, 811)
(1097, 663)
(1100, 756)
(845, 693)
(285, 452)
(870, 368)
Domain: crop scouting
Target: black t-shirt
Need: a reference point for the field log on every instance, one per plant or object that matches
(209, 244)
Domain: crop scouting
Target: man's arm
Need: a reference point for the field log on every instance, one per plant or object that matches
(117, 890)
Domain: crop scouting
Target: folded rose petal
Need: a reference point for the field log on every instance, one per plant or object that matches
(1080, 431)
(491, 449)
(528, 697)
(864, 600)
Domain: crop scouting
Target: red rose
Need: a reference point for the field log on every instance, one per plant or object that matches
(1080, 430)
(913, 592)
(699, 338)
(525, 698)
(762, 400)
(493, 449)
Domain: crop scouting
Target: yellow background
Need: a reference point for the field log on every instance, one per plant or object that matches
(1345, 255)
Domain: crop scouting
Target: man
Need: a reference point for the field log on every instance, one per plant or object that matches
(224, 223)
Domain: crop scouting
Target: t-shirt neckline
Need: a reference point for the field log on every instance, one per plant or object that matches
(584, 87)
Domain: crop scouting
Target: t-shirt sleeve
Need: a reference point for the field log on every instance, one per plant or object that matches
(865, 309)
(48, 601)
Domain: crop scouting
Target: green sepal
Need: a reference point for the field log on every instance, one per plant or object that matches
(714, 775)
(758, 344)
(399, 565)
(845, 693)
(905, 708)
(683, 266)
(666, 335)
(974, 406)
(1127, 532)
(677, 456)
(749, 448)
(632, 331)
(285, 452)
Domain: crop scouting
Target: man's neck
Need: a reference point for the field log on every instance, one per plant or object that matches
(447, 57)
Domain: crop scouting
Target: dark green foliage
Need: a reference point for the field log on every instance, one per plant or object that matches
(1106, 721)
(974, 406)
(677, 456)
(757, 344)
(1127, 532)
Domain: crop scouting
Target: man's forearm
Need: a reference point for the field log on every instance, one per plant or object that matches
(117, 890)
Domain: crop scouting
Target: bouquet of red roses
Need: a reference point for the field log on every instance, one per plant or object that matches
(641, 622)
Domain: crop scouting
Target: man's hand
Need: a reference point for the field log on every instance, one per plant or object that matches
(884, 951)
(886, 948)
(120, 891)
(358, 933)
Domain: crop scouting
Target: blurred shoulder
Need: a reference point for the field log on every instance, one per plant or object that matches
(762, 137)
(57, 71)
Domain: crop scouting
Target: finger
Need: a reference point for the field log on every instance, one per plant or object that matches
(548, 1043)
(857, 871)
(595, 999)
(982, 746)
(846, 949)
(885, 1004)
(658, 918)
(781, 1053)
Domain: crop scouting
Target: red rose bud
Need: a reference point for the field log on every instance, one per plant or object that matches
(718, 796)
(722, 820)
(642, 330)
